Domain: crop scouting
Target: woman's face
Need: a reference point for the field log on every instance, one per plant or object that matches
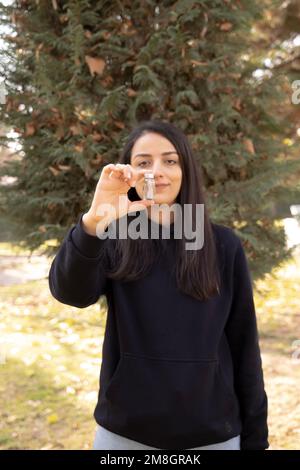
(154, 152)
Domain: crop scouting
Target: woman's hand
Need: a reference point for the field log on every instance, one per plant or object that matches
(110, 199)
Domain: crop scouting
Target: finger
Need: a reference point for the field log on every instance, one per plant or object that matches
(109, 170)
(137, 176)
(117, 173)
(125, 171)
(130, 174)
(120, 166)
(109, 167)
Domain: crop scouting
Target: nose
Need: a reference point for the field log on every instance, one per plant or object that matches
(157, 169)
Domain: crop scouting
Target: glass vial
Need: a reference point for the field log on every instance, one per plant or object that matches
(149, 186)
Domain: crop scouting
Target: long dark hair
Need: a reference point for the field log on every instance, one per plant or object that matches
(197, 272)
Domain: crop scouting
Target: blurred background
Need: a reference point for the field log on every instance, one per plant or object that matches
(75, 77)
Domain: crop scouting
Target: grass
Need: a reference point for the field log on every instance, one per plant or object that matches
(278, 312)
(51, 357)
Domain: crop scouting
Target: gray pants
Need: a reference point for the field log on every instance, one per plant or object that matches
(107, 440)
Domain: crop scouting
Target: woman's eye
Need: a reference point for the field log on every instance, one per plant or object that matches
(170, 162)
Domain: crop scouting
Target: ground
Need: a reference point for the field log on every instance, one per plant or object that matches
(50, 357)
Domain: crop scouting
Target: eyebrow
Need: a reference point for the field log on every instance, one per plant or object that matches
(149, 154)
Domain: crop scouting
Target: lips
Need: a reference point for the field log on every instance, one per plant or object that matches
(161, 185)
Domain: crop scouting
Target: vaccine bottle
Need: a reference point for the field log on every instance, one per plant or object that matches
(149, 186)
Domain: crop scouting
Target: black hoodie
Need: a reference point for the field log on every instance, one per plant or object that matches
(176, 372)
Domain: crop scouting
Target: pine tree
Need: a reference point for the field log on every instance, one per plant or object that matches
(280, 31)
(84, 72)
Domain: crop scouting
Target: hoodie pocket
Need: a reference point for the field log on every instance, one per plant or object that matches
(162, 402)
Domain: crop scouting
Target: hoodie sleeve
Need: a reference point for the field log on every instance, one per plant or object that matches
(77, 273)
(243, 339)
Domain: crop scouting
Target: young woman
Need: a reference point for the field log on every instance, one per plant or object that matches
(181, 365)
